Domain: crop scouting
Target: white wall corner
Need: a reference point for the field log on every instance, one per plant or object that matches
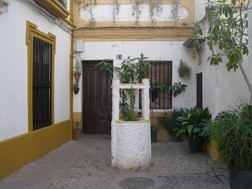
(79, 46)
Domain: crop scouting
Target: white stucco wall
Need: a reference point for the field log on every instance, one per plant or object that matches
(154, 50)
(13, 69)
(250, 40)
(199, 9)
(221, 89)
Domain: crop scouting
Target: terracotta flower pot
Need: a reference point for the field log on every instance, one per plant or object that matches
(77, 133)
(77, 75)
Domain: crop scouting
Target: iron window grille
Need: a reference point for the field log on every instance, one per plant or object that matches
(160, 74)
(42, 84)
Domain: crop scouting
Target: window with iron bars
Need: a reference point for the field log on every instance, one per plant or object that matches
(42, 84)
(160, 75)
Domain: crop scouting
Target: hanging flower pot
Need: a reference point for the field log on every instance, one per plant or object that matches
(76, 87)
(77, 76)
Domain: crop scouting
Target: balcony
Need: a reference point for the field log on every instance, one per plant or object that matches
(55, 7)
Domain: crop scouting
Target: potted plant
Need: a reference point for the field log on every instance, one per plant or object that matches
(77, 129)
(184, 70)
(232, 132)
(77, 69)
(76, 87)
(170, 122)
(195, 124)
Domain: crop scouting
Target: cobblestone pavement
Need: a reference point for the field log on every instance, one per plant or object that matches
(85, 164)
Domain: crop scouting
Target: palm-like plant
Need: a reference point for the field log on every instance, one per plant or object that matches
(232, 131)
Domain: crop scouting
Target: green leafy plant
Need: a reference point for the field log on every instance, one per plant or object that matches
(137, 9)
(229, 33)
(232, 132)
(184, 70)
(77, 124)
(170, 121)
(195, 124)
(106, 67)
(127, 105)
(154, 8)
(177, 88)
(77, 65)
(76, 87)
(175, 10)
(116, 9)
(132, 70)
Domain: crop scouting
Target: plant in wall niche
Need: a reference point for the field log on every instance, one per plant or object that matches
(116, 9)
(88, 6)
(154, 8)
(184, 70)
(175, 10)
(137, 9)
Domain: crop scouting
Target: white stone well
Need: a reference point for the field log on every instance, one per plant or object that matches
(131, 142)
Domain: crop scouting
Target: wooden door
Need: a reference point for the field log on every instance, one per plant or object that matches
(97, 100)
(199, 91)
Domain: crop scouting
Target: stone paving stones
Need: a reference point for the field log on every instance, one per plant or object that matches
(86, 164)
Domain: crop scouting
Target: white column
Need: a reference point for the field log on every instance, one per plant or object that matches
(115, 98)
(115, 117)
(146, 99)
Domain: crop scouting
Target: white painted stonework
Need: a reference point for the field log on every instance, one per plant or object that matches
(131, 143)
(14, 68)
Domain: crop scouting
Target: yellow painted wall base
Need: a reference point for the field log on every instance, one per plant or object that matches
(21, 150)
(212, 151)
(162, 134)
(77, 115)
